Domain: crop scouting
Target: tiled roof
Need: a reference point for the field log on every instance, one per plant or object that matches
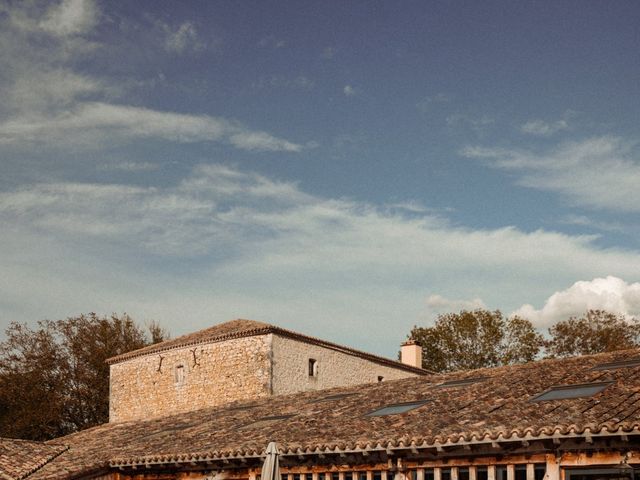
(246, 328)
(496, 409)
(19, 458)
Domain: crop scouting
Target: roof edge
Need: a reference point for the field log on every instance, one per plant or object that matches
(277, 331)
(385, 445)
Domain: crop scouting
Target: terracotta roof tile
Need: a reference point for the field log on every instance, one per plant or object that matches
(246, 328)
(19, 458)
(495, 409)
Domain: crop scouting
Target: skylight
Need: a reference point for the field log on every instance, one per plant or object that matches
(632, 362)
(562, 392)
(463, 382)
(329, 398)
(396, 408)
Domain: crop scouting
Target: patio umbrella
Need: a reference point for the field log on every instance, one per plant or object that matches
(271, 466)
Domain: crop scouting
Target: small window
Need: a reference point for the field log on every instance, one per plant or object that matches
(179, 374)
(335, 476)
(463, 382)
(632, 362)
(445, 473)
(428, 474)
(501, 472)
(562, 392)
(463, 473)
(520, 472)
(539, 471)
(313, 367)
(396, 408)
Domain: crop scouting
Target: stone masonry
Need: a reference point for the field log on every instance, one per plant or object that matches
(254, 360)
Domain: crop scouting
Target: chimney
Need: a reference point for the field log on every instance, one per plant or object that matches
(411, 353)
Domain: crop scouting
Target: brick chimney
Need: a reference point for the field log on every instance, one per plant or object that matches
(411, 353)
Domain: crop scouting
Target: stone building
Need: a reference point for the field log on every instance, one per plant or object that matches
(238, 360)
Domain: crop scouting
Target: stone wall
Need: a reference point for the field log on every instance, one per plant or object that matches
(190, 378)
(334, 368)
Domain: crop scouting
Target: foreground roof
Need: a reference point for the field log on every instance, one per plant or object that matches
(247, 328)
(19, 458)
(496, 409)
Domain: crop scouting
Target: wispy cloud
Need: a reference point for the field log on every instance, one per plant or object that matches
(427, 102)
(90, 125)
(49, 103)
(545, 128)
(599, 172)
(271, 41)
(437, 304)
(182, 39)
(476, 123)
(272, 243)
(610, 293)
(349, 91)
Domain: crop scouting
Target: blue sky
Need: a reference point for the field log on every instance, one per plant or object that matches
(344, 169)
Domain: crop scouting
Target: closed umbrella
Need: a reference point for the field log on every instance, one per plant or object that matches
(271, 466)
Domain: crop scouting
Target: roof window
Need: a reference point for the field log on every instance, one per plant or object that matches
(562, 392)
(463, 382)
(632, 362)
(396, 408)
(330, 398)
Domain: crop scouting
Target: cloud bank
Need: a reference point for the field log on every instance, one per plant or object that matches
(609, 293)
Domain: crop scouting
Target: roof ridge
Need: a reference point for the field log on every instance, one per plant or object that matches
(255, 327)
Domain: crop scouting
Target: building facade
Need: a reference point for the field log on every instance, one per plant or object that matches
(236, 360)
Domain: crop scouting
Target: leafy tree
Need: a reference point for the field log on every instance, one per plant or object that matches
(594, 332)
(476, 339)
(54, 379)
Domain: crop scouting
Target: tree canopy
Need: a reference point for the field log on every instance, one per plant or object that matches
(54, 379)
(481, 338)
(475, 339)
(594, 332)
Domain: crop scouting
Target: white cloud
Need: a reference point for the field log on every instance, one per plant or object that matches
(437, 304)
(328, 53)
(47, 103)
(70, 17)
(249, 245)
(542, 128)
(91, 125)
(182, 39)
(427, 102)
(271, 41)
(349, 91)
(610, 293)
(476, 123)
(599, 172)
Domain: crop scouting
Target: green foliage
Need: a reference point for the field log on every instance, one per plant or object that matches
(54, 379)
(476, 339)
(594, 332)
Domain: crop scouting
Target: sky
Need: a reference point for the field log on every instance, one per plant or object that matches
(343, 169)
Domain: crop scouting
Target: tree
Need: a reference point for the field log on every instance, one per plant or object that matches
(54, 379)
(476, 339)
(594, 332)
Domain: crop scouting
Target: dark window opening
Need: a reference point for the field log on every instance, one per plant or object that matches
(501, 472)
(539, 471)
(380, 378)
(520, 472)
(428, 474)
(377, 475)
(335, 476)
(482, 473)
(445, 474)
(463, 474)
(362, 475)
(599, 474)
(313, 367)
